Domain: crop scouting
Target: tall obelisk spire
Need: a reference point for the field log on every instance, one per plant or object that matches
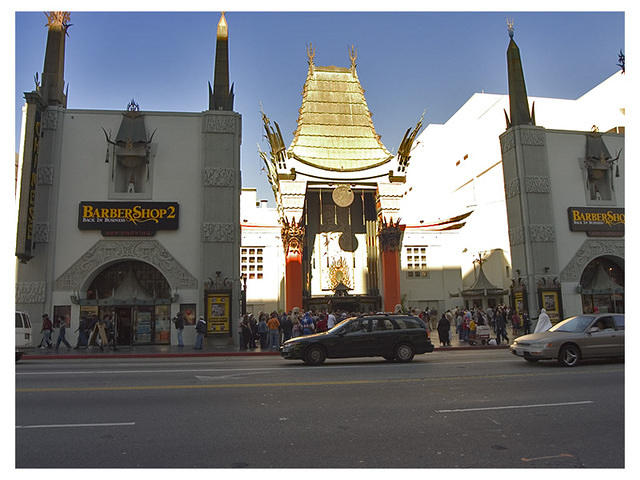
(53, 72)
(518, 101)
(222, 97)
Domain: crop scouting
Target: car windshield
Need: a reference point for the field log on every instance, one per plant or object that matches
(572, 324)
(340, 326)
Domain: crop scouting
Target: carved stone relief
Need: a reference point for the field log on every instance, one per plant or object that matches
(50, 120)
(516, 236)
(41, 232)
(531, 137)
(513, 188)
(218, 177)
(537, 184)
(220, 124)
(217, 232)
(542, 233)
(30, 292)
(105, 252)
(589, 251)
(45, 175)
(507, 142)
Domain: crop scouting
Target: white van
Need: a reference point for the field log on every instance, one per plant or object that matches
(23, 334)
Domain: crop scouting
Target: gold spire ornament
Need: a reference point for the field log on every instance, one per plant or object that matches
(223, 31)
(510, 27)
(58, 19)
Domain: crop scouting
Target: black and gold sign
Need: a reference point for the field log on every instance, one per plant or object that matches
(597, 221)
(128, 218)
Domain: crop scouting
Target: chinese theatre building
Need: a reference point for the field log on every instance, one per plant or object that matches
(565, 208)
(337, 190)
(119, 211)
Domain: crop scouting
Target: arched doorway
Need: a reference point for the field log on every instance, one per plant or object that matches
(137, 297)
(602, 285)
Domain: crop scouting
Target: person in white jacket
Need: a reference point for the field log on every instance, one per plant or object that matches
(544, 323)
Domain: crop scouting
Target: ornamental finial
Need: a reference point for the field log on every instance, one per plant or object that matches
(510, 27)
(58, 19)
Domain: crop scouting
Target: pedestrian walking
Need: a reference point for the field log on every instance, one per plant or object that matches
(331, 321)
(526, 323)
(62, 335)
(544, 323)
(201, 330)
(47, 328)
(273, 324)
(501, 326)
(263, 331)
(82, 334)
(287, 327)
(178, 321)
(245, 333)
(307, 324)
(443, 331)
(110, 326)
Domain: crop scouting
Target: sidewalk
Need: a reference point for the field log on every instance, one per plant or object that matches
(212, 350)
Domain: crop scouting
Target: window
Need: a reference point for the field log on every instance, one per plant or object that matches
(415, 259)
(252, 262)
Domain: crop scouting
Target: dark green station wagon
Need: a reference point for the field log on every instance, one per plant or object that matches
(394, 337)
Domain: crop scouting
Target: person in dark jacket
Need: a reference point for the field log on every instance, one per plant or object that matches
(62, 335)
(201, 330)
(443, 331)
(178, 321)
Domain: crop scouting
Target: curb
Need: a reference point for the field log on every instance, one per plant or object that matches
(213, 354)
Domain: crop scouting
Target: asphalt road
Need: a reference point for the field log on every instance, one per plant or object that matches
(471, 409)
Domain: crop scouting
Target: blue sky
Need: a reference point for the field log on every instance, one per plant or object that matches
(408, 62)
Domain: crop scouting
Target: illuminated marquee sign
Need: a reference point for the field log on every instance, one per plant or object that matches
(597, 221)
(128, 218)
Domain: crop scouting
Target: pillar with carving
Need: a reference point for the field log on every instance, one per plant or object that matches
(292, 238)
(390, 237)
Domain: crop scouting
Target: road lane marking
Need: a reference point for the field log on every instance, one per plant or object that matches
(73, 425)
(546, 458)
(297, 384)
(507, 407)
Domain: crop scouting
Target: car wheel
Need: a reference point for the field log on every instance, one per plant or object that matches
(404, 352)
(569, 356)
(314, 355)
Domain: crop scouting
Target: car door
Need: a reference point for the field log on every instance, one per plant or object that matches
(382, 337)
(351, 341)
(619, 341)
(601, 343)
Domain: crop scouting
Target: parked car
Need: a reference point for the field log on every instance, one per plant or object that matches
(23, 334)
(394, 337)
(575, 338)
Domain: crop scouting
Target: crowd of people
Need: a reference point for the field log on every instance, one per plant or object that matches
(269, 331)
(466, 322)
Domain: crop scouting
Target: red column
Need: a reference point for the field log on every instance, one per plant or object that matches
(292, 238)
(390, 279)
(293, 280)
(390, 236)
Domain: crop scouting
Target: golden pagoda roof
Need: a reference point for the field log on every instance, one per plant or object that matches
(335, 130)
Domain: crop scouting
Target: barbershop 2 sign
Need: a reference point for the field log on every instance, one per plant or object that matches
(597, 222)
(128, 218)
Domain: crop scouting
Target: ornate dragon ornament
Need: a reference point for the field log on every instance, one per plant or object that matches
(390, 235)
(404, 150)
(292, 236)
